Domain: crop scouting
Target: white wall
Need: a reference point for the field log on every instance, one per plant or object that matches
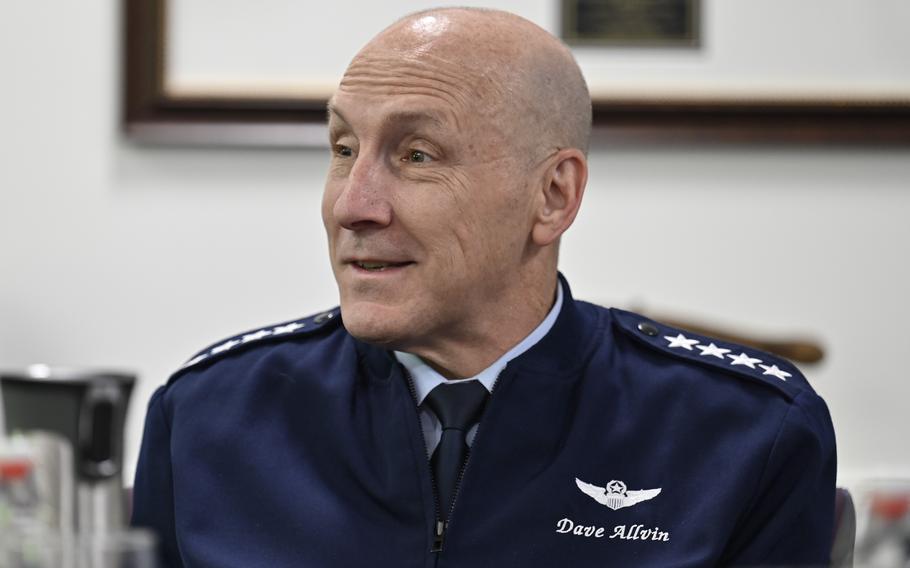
(134, 257)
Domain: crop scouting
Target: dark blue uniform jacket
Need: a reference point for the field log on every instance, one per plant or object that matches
(615, 441)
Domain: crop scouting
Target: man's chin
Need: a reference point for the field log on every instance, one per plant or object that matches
(373, 324)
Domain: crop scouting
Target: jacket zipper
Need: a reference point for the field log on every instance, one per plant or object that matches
(440, 526)
(439, 529)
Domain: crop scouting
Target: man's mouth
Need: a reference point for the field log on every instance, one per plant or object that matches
(378, 266)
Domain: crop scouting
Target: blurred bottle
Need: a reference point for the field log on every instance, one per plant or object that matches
(884, 535)
(26, 520)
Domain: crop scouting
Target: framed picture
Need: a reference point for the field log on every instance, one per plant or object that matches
(234, 72)
(638, 23)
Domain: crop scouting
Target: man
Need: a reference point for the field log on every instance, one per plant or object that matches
(462, 409)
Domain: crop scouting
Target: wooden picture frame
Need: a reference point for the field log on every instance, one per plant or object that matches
(151, 115)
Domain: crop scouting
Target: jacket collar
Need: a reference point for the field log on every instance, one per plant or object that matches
(570, 342)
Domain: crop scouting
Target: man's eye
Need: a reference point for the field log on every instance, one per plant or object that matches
(416, 156)
(342, 150)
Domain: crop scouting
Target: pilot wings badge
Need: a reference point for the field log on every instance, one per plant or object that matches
(615, 495)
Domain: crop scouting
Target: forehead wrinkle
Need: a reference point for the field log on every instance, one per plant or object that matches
(413, 117)
(404, 78)
(453, 116)
(439, 119)
(398, 87)
(462, 80)
(433, 65)
(450, 104)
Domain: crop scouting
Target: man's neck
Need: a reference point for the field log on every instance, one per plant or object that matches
(464, 359)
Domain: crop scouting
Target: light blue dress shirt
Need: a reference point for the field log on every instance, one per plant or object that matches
(425, 378)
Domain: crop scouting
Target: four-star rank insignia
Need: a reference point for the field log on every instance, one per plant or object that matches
(615, 495)
(743, 361)
(294, 328)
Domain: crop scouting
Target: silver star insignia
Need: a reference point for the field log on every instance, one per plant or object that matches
(773, 370)
(289, 328)
(743, 359)
(257, 335)
(681, 341)
(195, 360)
(225, 346)
(714, 350)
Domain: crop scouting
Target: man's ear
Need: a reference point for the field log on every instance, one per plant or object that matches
(563, 188)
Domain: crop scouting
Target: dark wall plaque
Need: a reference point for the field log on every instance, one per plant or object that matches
(659, 23)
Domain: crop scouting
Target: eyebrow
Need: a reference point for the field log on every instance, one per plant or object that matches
(330, 110)
(407, 117)
(411, 117)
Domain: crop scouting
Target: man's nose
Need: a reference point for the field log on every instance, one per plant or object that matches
(364, 199)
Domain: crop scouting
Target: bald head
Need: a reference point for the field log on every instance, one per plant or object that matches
(520, 77)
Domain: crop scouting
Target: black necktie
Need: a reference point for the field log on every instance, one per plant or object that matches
(458, 406)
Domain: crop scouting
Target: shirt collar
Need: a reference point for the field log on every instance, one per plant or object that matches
(426, 378)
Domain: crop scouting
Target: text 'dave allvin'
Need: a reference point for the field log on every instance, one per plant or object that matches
(621, 532)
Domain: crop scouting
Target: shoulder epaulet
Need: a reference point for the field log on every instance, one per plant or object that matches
(742, 361)
(297, 327)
